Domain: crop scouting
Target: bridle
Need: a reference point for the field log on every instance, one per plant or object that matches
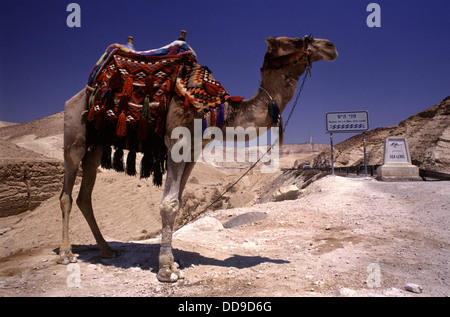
(296, 57)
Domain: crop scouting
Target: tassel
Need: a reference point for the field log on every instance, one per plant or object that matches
(106, 158)
(236, 99)
(146, 107)
(221, 116)
(142, 129)
(131, 163)
(157, 176)
(114, 82)
(145, 166)
(213, 118)
(118, 160)
(90, 116)
(128, 86)
(121, 128)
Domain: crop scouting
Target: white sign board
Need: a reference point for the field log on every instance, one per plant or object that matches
(396, 150)
(347, 122)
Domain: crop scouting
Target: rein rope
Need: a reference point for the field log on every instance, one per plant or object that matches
(270, 148)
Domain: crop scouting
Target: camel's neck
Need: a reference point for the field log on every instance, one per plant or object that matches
(253, 112)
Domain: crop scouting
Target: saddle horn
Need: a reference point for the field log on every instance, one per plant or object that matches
(182, 35)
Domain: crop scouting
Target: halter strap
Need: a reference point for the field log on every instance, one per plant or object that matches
(278, 62)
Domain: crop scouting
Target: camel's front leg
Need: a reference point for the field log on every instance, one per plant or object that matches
(177, 175)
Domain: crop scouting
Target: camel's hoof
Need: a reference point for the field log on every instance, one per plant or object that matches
(170, 275)
(65, 257)
(109, 253)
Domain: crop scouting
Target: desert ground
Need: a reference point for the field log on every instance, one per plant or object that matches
(341, 236)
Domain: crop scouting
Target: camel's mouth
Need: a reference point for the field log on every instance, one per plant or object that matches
(324, 48)
(331, 56)
(329, 52)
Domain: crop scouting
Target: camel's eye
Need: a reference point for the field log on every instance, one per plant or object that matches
(297, 42)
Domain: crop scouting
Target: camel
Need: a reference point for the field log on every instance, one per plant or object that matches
(285, 61)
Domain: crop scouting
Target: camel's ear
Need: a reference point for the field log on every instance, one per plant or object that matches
(272, 43)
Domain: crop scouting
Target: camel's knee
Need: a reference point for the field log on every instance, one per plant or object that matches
(168, 210)
(65, 202)
(75, 151)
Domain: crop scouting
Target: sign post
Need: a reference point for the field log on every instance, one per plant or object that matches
(332, 154)
(347, 122)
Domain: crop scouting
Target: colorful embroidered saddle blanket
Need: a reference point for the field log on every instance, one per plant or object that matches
(130, 92)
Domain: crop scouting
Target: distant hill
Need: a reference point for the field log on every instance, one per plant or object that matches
(428, 135)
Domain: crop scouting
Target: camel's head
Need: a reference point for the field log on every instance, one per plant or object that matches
(320, 49)
(285, 51)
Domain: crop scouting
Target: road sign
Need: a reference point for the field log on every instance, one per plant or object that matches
(347, 122)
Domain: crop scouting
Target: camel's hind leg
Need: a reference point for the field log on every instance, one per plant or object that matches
(74, 152)
(65, 251)
(90, 163)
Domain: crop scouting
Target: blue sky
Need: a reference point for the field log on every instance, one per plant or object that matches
(393, 71)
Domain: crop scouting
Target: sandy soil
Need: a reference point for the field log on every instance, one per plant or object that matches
(342, 237)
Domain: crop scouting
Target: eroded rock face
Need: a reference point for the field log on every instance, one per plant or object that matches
(428, 134)
(24, 185)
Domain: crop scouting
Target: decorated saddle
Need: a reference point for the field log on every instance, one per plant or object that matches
(130, 93)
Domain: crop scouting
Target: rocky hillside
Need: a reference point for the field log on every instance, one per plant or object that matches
(428, 134)
(31, 168)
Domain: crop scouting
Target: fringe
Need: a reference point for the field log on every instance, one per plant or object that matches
(154, 160)
(131, 163)
(146, 166)
(106, 158)
(118, 160)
